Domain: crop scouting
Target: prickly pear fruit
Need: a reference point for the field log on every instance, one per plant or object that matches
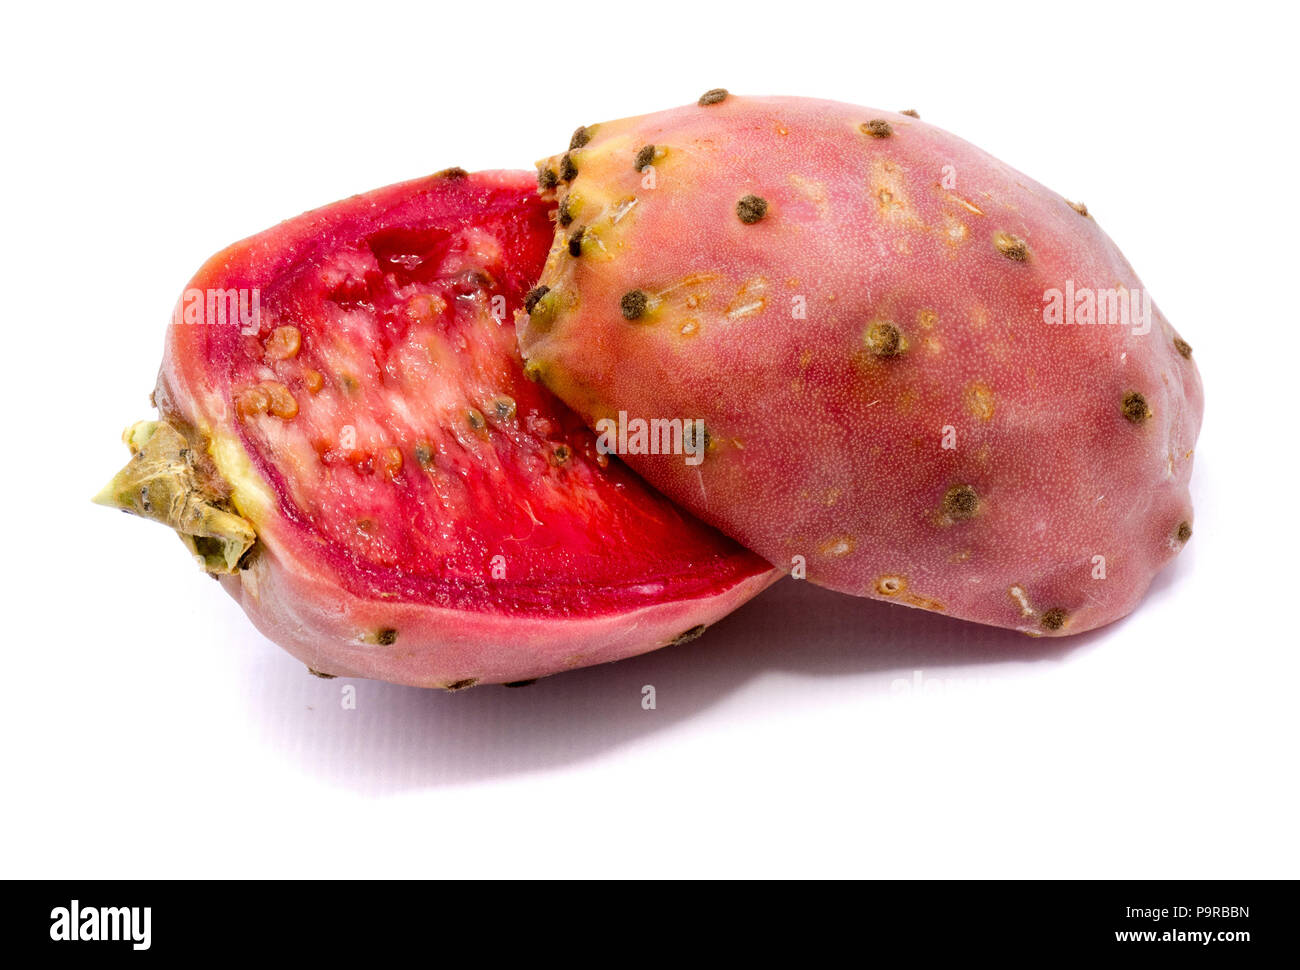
(348, 441)
(896, 345)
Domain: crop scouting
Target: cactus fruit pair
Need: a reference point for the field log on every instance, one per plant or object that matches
(858, 346)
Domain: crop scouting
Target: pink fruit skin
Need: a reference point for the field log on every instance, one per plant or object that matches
(317, 622)
(322, 611)
(920, 434)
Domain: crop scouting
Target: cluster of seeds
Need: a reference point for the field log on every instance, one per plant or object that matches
(274, 397)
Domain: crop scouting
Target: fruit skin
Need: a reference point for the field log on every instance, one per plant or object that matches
(853, 301)
(311, 618)
(198, 471)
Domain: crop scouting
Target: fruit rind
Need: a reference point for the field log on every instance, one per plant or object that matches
(878, 338)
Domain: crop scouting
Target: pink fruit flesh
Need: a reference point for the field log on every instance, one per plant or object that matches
(424, 513)
(853, 302)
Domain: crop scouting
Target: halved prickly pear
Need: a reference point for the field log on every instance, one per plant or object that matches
(922, 376)
(347, 439)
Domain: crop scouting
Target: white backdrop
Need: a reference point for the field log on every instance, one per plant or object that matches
(149, 730)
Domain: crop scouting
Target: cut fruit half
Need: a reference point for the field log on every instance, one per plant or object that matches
(348, 440)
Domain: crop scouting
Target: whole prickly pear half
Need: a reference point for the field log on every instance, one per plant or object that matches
(347, 440)
(908, 371)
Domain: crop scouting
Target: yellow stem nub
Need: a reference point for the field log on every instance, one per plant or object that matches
(160, 482)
